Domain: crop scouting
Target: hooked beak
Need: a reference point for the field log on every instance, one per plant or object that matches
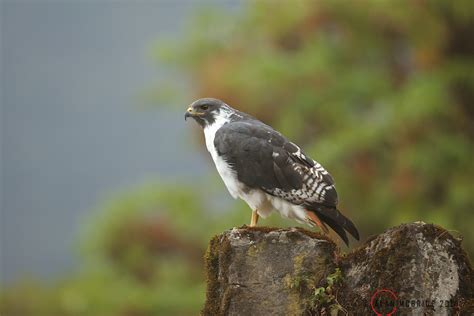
(190, 112)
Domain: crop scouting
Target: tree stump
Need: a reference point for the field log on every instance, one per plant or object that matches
(412, 269)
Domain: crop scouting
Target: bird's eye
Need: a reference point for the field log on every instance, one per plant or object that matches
(204, 107)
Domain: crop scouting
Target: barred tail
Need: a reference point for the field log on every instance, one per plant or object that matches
(338, 222)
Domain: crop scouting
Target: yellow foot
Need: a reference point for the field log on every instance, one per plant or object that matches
(254, 219)
(315, 220)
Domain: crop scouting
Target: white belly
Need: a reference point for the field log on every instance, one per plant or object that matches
(265, 203)
(257, 199)
(234, 186)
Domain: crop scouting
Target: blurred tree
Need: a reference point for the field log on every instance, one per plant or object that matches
(379, 92)
(141, 256)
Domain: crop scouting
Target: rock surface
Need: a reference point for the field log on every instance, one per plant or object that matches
(414, 268)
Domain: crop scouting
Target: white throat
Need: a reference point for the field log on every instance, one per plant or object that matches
(226, 173)
(210, 131)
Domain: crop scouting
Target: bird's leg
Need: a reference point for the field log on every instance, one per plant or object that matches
(315, 219)
(254, 219)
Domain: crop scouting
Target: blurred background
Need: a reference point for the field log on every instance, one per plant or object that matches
(108, 197)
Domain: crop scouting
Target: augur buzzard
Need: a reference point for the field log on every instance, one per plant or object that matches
(266, 170)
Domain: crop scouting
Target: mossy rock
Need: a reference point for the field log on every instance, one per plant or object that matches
(423, 265)
(252, 271)
(269, 271)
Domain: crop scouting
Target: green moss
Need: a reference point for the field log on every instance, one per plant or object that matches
(317, 298)
(307, 288)
(294, 301)
(211, 261)
(255, 249)
(225, 255)
(217, 260)
(318, 291)
(325, 298)
(396, 253)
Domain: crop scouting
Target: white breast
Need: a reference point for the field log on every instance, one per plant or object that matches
(227, 174)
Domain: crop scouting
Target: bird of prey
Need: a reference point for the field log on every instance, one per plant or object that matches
(262, 167)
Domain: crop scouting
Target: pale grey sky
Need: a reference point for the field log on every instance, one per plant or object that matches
(71, 132)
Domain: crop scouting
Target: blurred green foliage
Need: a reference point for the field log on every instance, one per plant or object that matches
(380, 92)
(142, 256)
(137, 261)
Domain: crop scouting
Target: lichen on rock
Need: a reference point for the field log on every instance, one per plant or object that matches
(269, 271)
(250, 271)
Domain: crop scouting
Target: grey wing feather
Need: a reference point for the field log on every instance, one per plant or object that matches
(263, 158)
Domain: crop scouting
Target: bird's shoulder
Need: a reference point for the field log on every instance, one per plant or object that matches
(251, 138)
(240, 132)
(250, 127)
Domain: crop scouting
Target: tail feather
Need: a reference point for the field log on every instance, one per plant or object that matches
(338, 222)
(336, 227)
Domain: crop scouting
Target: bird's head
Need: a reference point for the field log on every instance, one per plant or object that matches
(206, 111)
